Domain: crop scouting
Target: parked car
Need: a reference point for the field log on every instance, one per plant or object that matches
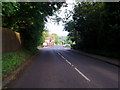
(44, 44)
(65, 45)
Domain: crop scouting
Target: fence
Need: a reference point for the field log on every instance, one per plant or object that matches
(10, 41)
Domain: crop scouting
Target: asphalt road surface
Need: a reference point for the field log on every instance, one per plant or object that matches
(56, 67)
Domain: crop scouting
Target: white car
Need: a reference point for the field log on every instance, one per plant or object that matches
(44, 44)
(66, 45)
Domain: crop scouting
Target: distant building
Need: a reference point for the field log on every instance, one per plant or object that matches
(49, 41)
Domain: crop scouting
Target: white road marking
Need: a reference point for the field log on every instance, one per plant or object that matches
(68, 62)
(59, 53)
(81, 74)
(62, 57)
(75, 68)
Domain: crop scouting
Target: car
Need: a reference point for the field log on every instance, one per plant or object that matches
(65, 45)
(44, 44)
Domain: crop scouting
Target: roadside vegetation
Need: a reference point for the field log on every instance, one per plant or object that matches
(95, 28)
(11, 61)
(28, 19)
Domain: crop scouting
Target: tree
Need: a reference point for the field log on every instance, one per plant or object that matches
(96, 25)
(28, 18)
(57, 41)
(45, 34)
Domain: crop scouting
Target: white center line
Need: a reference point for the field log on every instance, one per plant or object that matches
(68, 62)
(74, 67)
(81, 74)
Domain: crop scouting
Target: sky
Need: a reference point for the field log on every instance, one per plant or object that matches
(59, 28)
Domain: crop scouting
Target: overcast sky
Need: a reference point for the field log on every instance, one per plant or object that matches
(59, 28)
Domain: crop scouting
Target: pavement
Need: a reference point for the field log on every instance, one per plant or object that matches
(109, 60)
(56, 67)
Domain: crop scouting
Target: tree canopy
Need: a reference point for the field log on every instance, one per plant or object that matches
(95, 25)
(28, 18)
(56, 37)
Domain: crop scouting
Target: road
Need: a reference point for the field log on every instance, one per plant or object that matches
(56, 67)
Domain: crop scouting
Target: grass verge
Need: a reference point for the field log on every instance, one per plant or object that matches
(11, 61)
